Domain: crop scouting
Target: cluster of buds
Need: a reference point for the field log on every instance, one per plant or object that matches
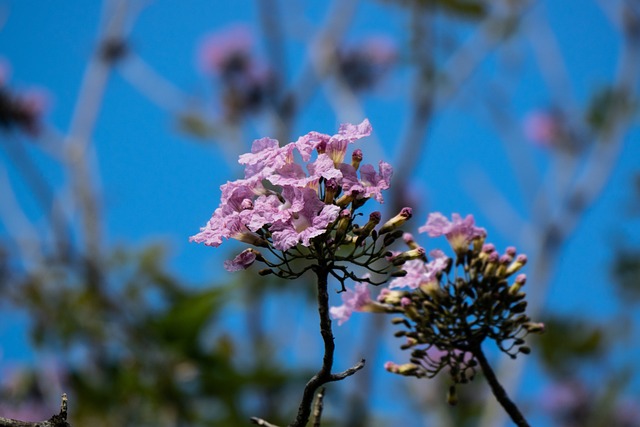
(289, 213)
(246, 83)
(454, 305)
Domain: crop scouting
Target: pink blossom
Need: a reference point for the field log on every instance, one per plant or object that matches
(420, 273)
(459, 232)
(542, 128)
(347, 134)
(292, 210)
(303, 227)
(356, 300)
(363, 64)
(312, 141)
(241, 262)
(220, 50)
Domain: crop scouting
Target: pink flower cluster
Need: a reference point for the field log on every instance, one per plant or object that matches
(282, 201)
(420, 274)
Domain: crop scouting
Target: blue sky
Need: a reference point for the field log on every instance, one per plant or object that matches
(160, 184)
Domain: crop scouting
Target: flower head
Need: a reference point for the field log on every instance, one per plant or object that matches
(226, 51)
(459, 232)
(358, 299)
(290, 202)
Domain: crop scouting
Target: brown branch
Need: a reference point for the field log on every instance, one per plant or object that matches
(58, 420)
(498, 390)
(324, 375)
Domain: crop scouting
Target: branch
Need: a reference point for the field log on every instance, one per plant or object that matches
(58, 420)
(324, 375)
(498, 390)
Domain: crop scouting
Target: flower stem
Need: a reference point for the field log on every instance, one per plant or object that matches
(498, 391)
(324, 375)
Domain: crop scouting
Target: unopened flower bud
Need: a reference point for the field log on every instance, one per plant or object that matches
(534, 328)
(344, 219)
(396, 221)
(265, 272)
(356, 158)
(365, 231)
(388, 296)
(492, 264)
(330, 190)
(503, 262)
(514, 289)
(408, 255)
(400, 320)
(251, 239)
(392, 237)
(520, 261)
(399, 273)
(524, 349)
(409, 240)
(345, 199)
(519, 307)
(511, 251)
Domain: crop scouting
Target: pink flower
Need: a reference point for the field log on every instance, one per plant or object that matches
(459, 232)
(291, 211)
(221, 51)
(242, 261)
(421, 274)
(363, 64)
(309, 221)
(542, 128)
(357, 300)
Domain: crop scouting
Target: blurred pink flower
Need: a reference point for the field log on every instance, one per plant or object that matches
(459, 232)
(224, 49)
(363, 64)
(356, 300)
(542, 128)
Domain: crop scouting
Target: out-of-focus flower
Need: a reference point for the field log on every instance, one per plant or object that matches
(459, 232)
(242, 261)
(246, 81)
(542, 128)
(22, 110)
(358, 299)
(362, 65)
(420, 274)
(226, 51)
